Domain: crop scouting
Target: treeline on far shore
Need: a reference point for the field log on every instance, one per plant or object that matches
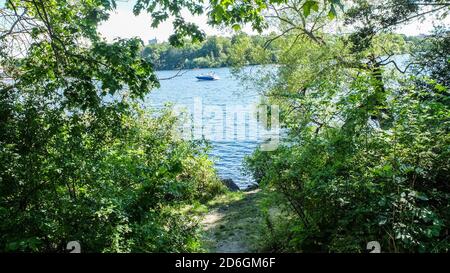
(218, 51)
(215, 51)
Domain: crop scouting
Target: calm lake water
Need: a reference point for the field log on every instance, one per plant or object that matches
(225, 121)
(218, 102)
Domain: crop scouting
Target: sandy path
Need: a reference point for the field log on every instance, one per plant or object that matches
(228, 226)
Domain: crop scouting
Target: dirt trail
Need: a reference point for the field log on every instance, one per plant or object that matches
(230, 224)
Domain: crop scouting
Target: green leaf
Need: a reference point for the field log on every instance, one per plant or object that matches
(308, 6)
(236, 27)
(332, 13)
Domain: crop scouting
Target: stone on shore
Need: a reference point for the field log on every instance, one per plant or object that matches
(230, 184)
(251, 187)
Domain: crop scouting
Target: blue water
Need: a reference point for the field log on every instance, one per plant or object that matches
(231, 141)
(240, 137)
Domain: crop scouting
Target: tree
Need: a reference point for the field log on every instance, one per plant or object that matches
(358, 162)
(82, 160)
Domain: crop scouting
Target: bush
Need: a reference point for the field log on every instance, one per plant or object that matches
(118, 195)
(81, 160)
(362, 161)
(389, 186)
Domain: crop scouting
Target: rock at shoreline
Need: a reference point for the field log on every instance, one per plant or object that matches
(230, 184)
(251, 187)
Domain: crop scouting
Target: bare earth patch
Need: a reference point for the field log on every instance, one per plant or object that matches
(231, 224)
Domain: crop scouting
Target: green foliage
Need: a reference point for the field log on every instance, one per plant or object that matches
(241, 49)
(366, 152)
(434, 54)
(365, 158)
(117, 192)
(237, 13)
(81, 159)
(162, 10)
(350, 188)
(372, 17)
(230, 13)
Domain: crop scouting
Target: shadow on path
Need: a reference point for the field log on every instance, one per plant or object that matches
(231, 225)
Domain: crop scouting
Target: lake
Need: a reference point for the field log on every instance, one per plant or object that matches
(223, 116)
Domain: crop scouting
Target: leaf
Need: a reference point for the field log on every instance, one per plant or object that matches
(382, 221)
(418, 195)
(332, 13)
(236, 27)
(314, 5)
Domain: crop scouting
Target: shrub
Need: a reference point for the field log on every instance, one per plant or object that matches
(118, 193)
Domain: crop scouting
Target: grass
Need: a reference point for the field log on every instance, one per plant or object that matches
(232, 222)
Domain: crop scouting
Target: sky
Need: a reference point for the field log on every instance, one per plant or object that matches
(124, 24)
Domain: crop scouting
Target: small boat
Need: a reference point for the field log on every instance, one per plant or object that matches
(207, 77)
